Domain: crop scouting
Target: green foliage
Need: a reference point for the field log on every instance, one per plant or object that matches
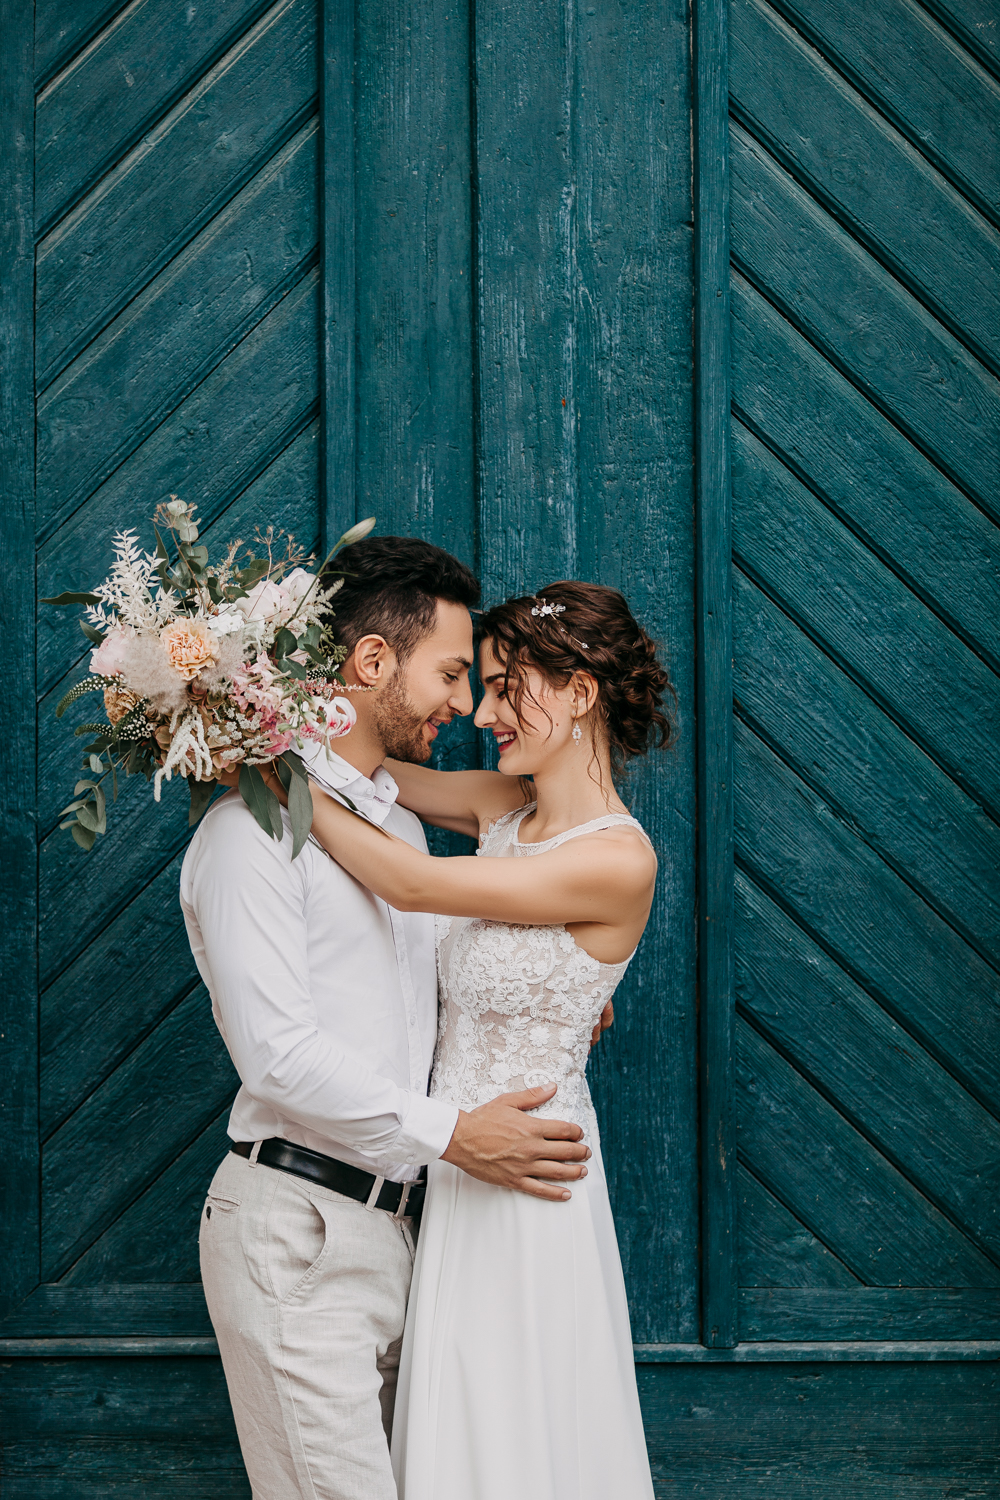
(88, 685)
(63, 599)
(292, 772)
(201, 796)
(261, 801)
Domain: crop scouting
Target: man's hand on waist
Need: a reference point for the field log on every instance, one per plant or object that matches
(500, 1143)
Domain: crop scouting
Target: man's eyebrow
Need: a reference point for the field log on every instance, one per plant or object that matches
(458, 661)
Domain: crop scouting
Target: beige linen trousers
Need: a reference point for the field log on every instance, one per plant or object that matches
(307, 1293)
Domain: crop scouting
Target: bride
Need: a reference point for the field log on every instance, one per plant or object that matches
(517, 1375)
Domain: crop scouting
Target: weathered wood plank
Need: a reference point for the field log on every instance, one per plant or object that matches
(911, 664)
(145, 1309)
(892, 795)
(975, 24)
(873, 925)
(165, 343)
(338, 339)
(526, 290)
(19, 881)
(144, 212)
(164, 1094)
(63, 28)
(114, 90)
(713, 607)
(838, 1185)
(927, 85)
(156, 1238)
(780, 1314)
(632, 400)
(821, 1431)
(209, 450)
(873, 179)
(775, 1249)
(414, 253)
(860, 317)
(865, 470)
(748, 1352)
(287, 492)
(876, 1075)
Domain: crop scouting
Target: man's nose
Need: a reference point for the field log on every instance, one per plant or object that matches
(461, 699)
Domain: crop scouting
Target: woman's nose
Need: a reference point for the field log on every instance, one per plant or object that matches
(484, 716)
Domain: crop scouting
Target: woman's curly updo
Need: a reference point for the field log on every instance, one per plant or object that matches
(594, 631)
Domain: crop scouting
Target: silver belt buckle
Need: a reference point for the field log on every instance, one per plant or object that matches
(401, 1210)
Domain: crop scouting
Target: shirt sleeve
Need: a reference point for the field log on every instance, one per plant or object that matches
(244, 902)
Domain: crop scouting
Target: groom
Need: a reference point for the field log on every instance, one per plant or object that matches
(327, 1001)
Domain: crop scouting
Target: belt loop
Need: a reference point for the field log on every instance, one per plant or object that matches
(255, 1152)
(376, 1189)
(401, 1210)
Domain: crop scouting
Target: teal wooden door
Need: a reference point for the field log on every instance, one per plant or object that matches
(866, 449)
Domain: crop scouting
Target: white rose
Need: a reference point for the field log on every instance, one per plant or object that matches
(227, 622)
(298, 583)
(264, 601)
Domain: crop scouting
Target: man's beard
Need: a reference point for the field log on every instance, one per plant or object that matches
(397, 723)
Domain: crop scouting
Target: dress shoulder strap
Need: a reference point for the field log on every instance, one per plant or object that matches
(502, 832)
(596, 825)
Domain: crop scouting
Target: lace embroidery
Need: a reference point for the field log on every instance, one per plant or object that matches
(518, 1003)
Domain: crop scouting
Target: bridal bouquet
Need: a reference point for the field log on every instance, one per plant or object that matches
(205, 669)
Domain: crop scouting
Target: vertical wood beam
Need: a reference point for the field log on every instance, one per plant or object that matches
(336, 65)
(714, 665)
(19, 1192)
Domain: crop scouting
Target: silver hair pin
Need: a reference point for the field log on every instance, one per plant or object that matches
(543, 607)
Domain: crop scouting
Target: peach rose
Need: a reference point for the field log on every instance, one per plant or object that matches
(190, 647)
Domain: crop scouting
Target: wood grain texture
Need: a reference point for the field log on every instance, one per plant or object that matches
(866, 472)
(865, 172)
(892, 795)
(947, 1146)
(717, 1112)
(143, 213)
(583, 371)
(63, 28)
(869, 1313)
(920, 971)
(775, 1249)
(150, 1309)
(117, 88)
(868, 621)
(18, 887)
(415, 453)
(132, 1127)
(975, 25)
(863, 320)
(830, 1177)
(339, 305)
(821, 1431)
(929, 87)
(219, 441)
(195, 313)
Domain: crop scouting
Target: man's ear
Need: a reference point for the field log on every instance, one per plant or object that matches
(373, 661)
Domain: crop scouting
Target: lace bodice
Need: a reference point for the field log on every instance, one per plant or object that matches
(519, 1003)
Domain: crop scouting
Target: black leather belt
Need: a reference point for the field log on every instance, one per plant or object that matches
(404, 1199)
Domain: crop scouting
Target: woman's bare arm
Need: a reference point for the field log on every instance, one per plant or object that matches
(463, 801)
(610, 889)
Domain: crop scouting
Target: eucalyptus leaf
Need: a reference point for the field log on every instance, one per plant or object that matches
(84, 836)
(61, 599)
(295, 763)
(96, 764)
(201, 796)
(300, 812)
(294, 668)
(87, 816)
(84, 786)
(91, 632)
(285, 643)
(261, 801)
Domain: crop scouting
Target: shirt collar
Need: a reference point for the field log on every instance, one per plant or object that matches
(373, 798)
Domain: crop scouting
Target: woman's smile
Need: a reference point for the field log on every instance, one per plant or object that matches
(504, 737)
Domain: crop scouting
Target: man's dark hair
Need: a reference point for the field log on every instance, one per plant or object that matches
(391, 588)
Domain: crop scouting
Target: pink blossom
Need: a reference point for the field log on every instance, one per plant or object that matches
(108, 660)
(265, 600)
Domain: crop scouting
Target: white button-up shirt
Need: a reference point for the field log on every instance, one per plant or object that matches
(325, 996)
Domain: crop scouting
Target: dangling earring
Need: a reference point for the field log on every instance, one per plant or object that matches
(577, 731)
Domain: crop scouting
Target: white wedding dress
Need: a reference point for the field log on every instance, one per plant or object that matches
(517, 1380)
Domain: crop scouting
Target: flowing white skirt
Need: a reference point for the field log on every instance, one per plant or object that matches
(517, 1380)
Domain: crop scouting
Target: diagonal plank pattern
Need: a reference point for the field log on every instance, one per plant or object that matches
(866, 424)
(176, 351)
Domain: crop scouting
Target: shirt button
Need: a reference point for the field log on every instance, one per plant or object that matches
(413, 1020)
